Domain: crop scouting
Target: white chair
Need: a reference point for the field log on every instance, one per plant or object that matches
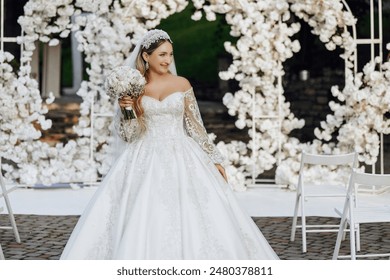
(325, 189)
(4, 193)
(354, 213)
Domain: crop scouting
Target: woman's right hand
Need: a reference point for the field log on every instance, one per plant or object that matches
(126, 101)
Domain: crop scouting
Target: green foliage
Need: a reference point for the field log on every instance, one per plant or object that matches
(66, 63)
(197, 44)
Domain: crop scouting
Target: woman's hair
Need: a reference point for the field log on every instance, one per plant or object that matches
(141, 66)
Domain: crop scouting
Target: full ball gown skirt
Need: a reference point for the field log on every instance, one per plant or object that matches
(163, 198)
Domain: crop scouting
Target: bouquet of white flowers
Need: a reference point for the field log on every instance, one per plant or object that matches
(125, 81)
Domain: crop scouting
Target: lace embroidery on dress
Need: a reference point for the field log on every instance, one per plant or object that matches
(128, 130)
(194, 127)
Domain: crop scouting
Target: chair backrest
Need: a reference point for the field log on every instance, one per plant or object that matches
(337, 159)
(367, 179)
(378, 208)
(348, 160)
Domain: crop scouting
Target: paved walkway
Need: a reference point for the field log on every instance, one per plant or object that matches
(44, 237)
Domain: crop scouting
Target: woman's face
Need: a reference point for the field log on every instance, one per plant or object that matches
(161, 58)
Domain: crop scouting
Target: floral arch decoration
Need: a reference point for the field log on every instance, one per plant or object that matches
(106, 32)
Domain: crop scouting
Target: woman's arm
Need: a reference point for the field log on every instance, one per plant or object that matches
(128, 130)
(194, 126)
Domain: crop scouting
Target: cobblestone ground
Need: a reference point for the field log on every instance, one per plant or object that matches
(44, 238)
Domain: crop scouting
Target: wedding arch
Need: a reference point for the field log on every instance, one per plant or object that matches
(106, 30)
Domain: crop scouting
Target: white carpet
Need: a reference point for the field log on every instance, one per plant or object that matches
(258, 201)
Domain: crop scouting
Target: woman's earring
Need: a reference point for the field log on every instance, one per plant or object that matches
(147, 65)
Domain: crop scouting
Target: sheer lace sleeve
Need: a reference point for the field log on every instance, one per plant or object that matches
(194, 127)
(127, 130)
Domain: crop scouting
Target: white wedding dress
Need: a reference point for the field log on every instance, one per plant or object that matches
(164, 198)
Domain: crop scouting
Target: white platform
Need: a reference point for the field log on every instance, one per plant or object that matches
(258, 201)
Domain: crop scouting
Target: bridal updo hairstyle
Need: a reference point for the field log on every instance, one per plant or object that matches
(141, 66)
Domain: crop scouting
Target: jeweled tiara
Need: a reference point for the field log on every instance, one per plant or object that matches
(153, 36)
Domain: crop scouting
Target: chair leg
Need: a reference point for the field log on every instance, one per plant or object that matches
(13, 225)
(303, 222)
(11, 215)
(295, 218)
(358, 237)
(340, 235)
(344, 231)
(352, 230)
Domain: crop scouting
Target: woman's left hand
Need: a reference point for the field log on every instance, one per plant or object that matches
(222, 171)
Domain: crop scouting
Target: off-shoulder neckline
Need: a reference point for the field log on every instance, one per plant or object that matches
(183, 92)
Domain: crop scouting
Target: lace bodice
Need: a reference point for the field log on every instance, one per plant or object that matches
(177, 115)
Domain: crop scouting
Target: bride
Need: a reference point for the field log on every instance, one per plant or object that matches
(166, 195)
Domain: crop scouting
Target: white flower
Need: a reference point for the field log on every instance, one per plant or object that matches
(196, 16)
(330, 46)
(240, 123)
(124, 80)
(51, 98)
(296, 46)
(65, 33)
